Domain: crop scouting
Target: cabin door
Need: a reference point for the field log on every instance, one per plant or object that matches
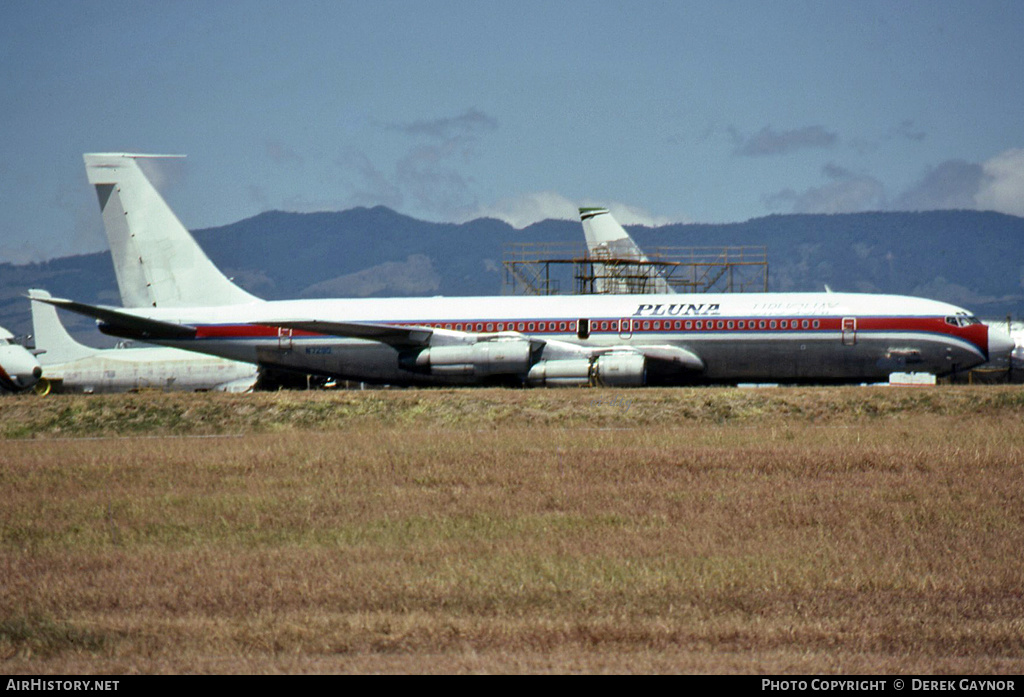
(849, 331)
(583, 328)
(284, 339)
(625, 328)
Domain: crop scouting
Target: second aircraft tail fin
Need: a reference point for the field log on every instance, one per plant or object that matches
(603, 231)
(606, 239)
(53, 341)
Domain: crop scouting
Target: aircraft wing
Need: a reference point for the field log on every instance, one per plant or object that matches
(123, 324)
(404, 337)
(674, 355)
(384, 333)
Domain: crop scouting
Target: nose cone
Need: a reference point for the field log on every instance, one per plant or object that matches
(19, 367)
(1000, 344)
(27, 374)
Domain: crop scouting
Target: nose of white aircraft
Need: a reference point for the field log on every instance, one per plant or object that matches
(1000, 344)
(21, 370)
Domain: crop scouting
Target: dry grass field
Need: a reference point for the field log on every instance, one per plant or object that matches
(852, 530)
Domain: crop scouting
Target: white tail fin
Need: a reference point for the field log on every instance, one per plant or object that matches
(606, 239)
(157, 262)
(50, 335)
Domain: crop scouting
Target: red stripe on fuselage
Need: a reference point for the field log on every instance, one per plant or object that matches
(976, 334)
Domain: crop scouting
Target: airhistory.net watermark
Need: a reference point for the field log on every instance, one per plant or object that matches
(62, 685)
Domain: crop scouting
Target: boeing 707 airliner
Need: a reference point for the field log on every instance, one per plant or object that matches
(174, 295)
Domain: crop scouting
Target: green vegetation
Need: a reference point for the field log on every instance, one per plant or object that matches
(157, 413)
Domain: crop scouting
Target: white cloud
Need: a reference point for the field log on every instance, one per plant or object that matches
(527, 209)
(994, 185)
(950, 185)
(1003, 187)
(845, 192)
(631, 215)
(431, 177)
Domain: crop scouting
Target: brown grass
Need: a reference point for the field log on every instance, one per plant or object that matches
(839, 531)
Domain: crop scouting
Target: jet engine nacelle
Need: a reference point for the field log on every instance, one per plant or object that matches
(608, 370)
(511, 357)
(620, 370)
(565, 373)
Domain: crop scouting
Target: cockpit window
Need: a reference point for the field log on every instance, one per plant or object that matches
(962, 320)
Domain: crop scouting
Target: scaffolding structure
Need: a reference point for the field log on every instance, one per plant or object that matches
(543, 268)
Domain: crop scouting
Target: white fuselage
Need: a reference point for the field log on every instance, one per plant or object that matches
(174, 295)
(777, 337)
(125, 369)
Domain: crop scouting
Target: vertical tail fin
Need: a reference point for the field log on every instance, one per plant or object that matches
(157, 262)
(608, 240)
(600, 228)
(50, 335)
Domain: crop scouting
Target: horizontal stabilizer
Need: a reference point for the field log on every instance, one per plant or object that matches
(384, 333)
(122, 324)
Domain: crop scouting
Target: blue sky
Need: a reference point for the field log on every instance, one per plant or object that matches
(445, 110)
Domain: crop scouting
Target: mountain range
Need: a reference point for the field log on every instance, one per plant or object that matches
(969, 258)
